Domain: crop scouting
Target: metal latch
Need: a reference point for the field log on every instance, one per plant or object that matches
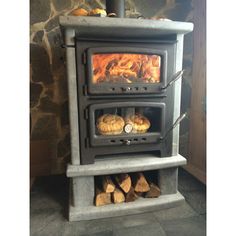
(174, 78)
(177, 122)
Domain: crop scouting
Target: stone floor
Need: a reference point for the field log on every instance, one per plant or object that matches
(48, 206)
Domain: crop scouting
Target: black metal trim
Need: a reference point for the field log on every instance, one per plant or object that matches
(122, 88)
(67, 46)
(153, 137)
(127, 40)
(116, 6)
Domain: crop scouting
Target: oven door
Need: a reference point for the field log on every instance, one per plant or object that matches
(126, 123)
(126, 70)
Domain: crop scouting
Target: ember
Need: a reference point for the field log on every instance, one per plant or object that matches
(126, 68)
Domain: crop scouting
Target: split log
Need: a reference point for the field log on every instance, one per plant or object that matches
(139, 194)
(153, 192)
(140, 183)
(124, 182)
(102, 198)
(107, 184)
(131, 195)
(118, 196)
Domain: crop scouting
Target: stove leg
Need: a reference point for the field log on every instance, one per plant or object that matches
(82, 191)
(168, 180)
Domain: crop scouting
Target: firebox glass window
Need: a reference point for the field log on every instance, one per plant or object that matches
(128, 120)
(125, 68)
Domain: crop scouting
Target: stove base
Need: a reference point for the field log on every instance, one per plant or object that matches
(141, 205)
(82, 191)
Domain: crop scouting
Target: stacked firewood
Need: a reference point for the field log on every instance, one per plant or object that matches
(124, 188)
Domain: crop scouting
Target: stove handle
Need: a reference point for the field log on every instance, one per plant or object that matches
(177, 122)
(176, 76)
(127, 142)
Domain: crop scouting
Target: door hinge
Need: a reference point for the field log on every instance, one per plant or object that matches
(84, 58)
(85, 90)
(86, 114)
(87, 142)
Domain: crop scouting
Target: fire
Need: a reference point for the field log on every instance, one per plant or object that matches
(126, 68)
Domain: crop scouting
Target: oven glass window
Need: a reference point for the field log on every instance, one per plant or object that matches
(128, 120)
(125, 68)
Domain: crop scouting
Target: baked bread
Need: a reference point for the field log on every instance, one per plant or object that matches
(80, 12)
(139, 122)
(108, 124)
(97, 11)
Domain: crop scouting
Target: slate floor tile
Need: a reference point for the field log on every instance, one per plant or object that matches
(98, 225)
(47, 223)
(74, 229)
(104, 233)
(197, 200)
(89, 227)
(187, 182)
(193, 226)
(153, 229)
(133, 220)
(49, 192)
(43, 201)
(182, 211)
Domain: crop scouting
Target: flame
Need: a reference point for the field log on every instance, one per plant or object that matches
(126, 68)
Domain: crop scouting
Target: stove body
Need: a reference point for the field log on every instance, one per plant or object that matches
(91, 40)
(149, 99)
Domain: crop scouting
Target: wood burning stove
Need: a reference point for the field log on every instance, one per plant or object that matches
(114, 75)
(123, 70)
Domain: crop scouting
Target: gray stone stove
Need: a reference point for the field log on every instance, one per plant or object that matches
(81, 206)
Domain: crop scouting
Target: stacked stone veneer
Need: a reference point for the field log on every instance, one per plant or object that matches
(48, 83)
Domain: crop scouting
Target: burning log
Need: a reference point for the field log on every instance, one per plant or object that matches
(140, 183)
(118, 196)
(124, 182)
(111, 64)
(133, 67)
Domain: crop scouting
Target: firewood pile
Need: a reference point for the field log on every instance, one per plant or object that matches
(124, 188)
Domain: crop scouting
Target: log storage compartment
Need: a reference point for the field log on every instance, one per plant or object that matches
(125, 187)
(84, 192)
(124, 98)
(99, 204)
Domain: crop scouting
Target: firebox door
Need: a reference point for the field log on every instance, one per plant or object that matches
(126, 123)
(126, 70)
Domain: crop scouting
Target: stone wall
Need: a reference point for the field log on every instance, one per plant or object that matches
(48, 85)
